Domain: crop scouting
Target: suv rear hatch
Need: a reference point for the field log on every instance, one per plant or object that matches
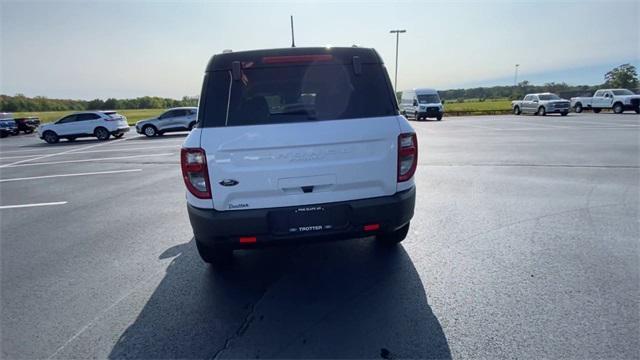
(298, 129)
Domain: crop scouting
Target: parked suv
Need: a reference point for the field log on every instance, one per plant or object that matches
(176, 119)
(297, 145)
(99, 124)
(7, 125)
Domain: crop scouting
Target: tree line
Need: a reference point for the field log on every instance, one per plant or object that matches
(624, 76)
(21, 103)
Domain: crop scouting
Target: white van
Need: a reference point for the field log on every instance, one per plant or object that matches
(421, 104)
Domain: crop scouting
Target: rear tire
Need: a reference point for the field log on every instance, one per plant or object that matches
(439, 117)
(150, 131)
(578, 108)
(637, 110)
(596, 110)
(217, 256)
(50, 137)
(101, 133)
(516, 110)
(415, 116)
(564, 113)
(395, 237)
(618, 108)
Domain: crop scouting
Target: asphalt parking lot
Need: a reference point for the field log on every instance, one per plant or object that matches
(525, 244)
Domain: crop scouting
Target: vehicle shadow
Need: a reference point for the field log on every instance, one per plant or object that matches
(352, 299)
(164, 136)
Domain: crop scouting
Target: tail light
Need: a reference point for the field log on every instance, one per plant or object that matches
(407, 156)
(195, 172)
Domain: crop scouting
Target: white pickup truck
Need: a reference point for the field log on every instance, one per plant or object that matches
(619, 100)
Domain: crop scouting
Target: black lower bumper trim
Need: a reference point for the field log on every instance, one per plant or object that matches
(225, 228)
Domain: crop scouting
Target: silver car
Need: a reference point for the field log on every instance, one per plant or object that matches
(176, 119)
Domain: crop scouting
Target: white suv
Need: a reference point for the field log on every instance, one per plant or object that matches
(99, 124)
(297, 145)
(176, 119)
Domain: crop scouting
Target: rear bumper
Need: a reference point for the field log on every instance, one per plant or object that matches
(120, 131)
(430, 113)
(224, 228)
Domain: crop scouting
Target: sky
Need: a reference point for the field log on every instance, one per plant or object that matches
(122, 49)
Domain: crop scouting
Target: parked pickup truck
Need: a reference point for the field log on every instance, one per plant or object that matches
(541, 104)
(618, 100)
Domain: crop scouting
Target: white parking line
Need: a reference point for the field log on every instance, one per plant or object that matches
(115, 149)
(32, 205)
(19, 156)
(60, 153)
(70, 175)
(88, 160)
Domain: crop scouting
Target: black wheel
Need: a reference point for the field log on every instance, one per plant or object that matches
(4, 134)
(15, 132)
(439, 117)
(637, 110)
(150, 131)
(618, 108)
(394, 237)
(118, 136)
(192, 125)
(216, 256)
(71, 139)
(596, 110)
(101, 133)
(578, 108)
(50, 137)
(564, 113)
(28, 131)
(542, 111)
(415, 116)
(516, 110)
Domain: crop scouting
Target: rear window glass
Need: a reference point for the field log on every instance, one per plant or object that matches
(283, 94)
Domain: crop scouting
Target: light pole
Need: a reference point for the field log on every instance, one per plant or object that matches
(397, 32)
(515, 78)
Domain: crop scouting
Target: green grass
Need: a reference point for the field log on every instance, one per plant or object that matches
(132, 115)
(478, 106)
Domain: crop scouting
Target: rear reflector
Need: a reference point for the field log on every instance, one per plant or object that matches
(248, 240)
(372, 227)
(296, 59)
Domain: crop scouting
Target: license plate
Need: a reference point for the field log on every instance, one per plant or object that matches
(309, 219)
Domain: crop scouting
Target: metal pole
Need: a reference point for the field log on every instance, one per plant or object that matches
(515, 78)
(397, 32)
(395, 78)
(293, 39)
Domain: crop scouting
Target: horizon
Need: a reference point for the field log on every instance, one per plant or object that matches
(129, 57)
